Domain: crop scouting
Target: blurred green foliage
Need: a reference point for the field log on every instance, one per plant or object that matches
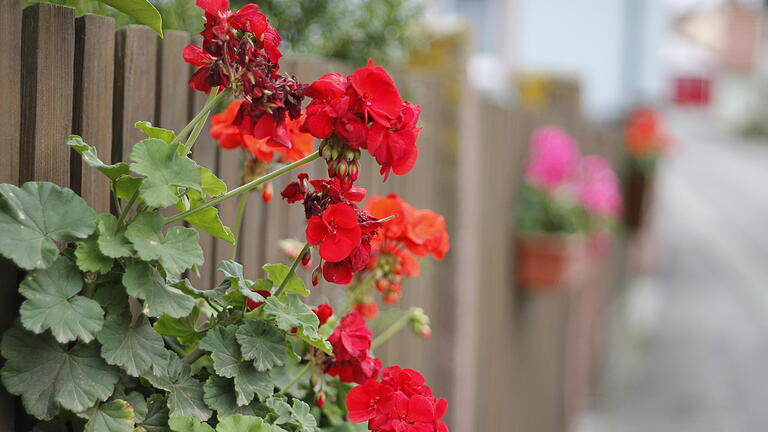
(351, 30)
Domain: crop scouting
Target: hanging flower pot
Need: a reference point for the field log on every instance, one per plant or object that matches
(638, 191)
(544, 262)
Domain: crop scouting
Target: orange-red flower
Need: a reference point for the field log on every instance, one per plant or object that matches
(644, 134)
(230, 136)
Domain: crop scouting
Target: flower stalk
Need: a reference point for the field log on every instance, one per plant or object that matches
(393, 329)
(244, 188)
(281, 288)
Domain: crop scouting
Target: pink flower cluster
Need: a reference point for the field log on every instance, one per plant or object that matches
(556, 165)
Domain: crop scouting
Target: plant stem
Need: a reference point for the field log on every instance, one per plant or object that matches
(392, 330)
(127, 208)
(281, 288)
(193, 356)
(238, 224)
(174, 344)
(212, 100)
(296, 378)
(244, 188)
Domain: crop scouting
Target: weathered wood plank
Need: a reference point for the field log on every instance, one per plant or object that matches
(10, 89)
(173, 96)
(92, 110)
(48, 43)
(10, 126)
(135, 86)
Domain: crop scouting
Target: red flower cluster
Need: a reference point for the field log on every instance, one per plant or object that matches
(365, 111)
(230, 136)
(352, 360)
(341, 229)
(400, 402)
(241, 51)
(411, 233)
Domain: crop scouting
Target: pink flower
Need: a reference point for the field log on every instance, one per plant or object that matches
(598, 187)
(554, 157)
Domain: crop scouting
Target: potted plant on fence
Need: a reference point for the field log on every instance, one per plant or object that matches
(646, 142)
(550, 220)
(113, 337)
(566, 199)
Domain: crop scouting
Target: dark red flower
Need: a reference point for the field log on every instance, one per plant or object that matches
(336, 231)
(367, 310)
(351, 335)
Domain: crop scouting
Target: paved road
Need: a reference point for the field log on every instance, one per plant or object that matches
(695, 355)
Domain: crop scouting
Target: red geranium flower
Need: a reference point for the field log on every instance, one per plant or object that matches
(323, 312)
(351, 334)
(336, 231)
(394, 145)
(377, 92)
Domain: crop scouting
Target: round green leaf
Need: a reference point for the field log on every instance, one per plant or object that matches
(135, 347)
(52, 303)
(47, 375)
(37, 215)
(220, 396)
(115, 416)
(140, 10)
(91, 157)
(241, 423)
(164, 171)
(188, 424)
(262, 343)
(177, 251)
(112, 241)
(185, 393)
(143, 281)
(90, 258)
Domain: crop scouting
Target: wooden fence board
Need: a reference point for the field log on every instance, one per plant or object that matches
(135, 85)
(173, 96)
(92, 110)
(10, 89)
(48, 42)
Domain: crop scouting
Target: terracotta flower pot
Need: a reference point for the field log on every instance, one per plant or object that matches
(543, 262)
(638, 191)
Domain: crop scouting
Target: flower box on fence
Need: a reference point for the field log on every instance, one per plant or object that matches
(545, 262)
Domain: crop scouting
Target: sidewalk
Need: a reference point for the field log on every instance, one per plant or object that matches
(694, 354)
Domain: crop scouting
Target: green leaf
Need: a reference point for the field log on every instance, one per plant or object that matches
(47, 375)
(134, 348)
(37, 215)
(228, 362)
(112, 241)
(188, 424)
(233, 271)
(140, 10)
(241, 423)
(166, 135)
(90, 258)
(184, 328)
(262, 343)
(139, 405)
(156, 419)
(185, 393)
(297, 415)
(115, 416)
(126, 186)
(164, 170)
(278, 272)
(212, 294)
(177, 251)
(295, 314)
(111, 295)
(220, 396)
(52, 303)
(211, 185)
(208, 220)
(91, 157)
(143, 281)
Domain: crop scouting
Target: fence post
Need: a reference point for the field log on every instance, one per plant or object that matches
(92, 111)
(10, 125)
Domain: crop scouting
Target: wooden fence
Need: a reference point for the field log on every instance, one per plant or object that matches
(505, 361)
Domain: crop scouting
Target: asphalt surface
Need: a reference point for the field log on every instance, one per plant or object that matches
(692, 354)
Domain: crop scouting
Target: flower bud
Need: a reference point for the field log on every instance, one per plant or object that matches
(382, 285)
(266, 192)
(341, 168)
(326, 152)
(420, 323)
(332, 168)
(316, 273)
(354, 170)
(306, 259)
(335, 153)
(349, 154)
